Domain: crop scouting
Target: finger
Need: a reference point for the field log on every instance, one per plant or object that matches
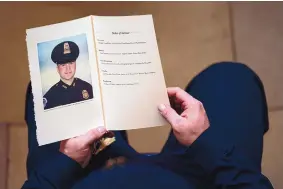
(109, 134)
(169, 114)
(92, 135)
(181, 96)
(88, 157)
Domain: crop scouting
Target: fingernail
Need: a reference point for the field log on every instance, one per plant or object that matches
(161, 107)
(101, 129)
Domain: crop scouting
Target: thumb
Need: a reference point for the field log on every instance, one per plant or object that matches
(169, 114)
(93, 135)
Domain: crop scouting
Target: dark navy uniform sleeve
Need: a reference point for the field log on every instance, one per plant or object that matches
(227, 170)
(133, 175)
(58, 172)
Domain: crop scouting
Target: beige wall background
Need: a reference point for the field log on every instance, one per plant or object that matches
(191, 36)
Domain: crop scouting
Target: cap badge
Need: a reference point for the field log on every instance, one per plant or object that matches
(85, 94)
(67, 49)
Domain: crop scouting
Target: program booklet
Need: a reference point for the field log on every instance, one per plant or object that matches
(95, 71)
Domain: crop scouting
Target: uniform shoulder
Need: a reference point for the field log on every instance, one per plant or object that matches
(82, 82)
(52, 89)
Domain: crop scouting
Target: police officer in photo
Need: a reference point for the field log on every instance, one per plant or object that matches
(69, 89)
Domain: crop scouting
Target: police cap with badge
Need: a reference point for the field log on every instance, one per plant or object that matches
(65, 52)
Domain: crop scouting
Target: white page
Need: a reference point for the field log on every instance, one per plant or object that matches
(131, 74)
(71, 119)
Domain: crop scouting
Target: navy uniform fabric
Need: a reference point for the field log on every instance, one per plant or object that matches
(62, 93)
(227, 155)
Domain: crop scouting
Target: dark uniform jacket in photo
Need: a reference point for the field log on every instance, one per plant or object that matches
(62, 94)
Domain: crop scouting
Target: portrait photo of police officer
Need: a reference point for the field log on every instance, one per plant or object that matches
(69, 88)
